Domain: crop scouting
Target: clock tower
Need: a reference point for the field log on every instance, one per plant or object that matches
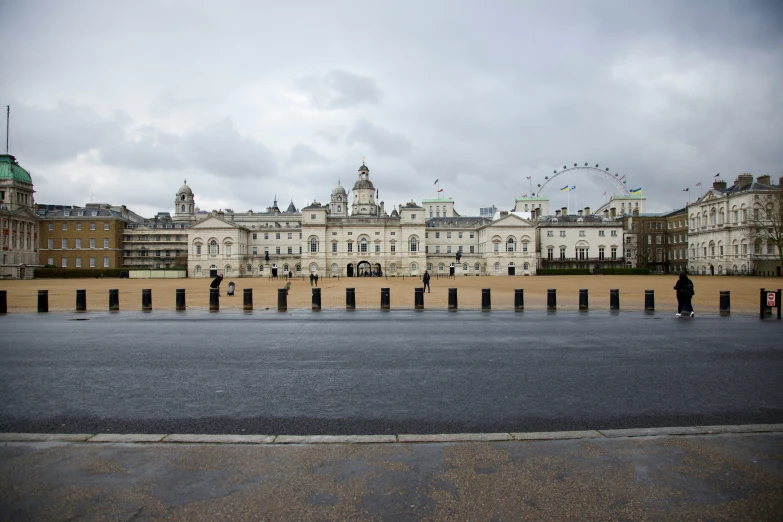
(364, 195)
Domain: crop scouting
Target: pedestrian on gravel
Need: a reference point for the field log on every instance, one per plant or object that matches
(316, 279)
(684, 289)
(312, 278)
(426, 280)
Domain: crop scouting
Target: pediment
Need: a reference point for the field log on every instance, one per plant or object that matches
(511, 220)
(213, 222)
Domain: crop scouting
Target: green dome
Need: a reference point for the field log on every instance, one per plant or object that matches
(10, 169)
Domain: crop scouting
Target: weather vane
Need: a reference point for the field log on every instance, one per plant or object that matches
(362, 160)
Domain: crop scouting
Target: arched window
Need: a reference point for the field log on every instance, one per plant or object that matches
(414, 267)
(393, 267)
(429, 266)
(363, 245)
(524, 246)
(477, 267)
(183, 208)
(414, 244)
(313, 268)
(334, 267)
(313, 244)
(527, 266)
(497, 267)
(249, 269)
(228, 269)
(510, 245)
(285, 268)
(298, 268)
(339, 208)
(198, 269)
(440, 267)
(213, 248)
(464, 267)
(260, 269)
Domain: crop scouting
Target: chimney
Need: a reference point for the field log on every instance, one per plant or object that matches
(564, 211)
(533, 214)
(765, 179)
(503, 213)
(606, 213)
(587, 211)
(635, 212)
(719, 185)
(557, 212)
(612, 212)
(579, 212)
(744, 180)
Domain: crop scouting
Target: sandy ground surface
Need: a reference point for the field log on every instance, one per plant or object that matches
(23, 295)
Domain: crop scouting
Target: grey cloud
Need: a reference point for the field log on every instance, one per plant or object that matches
(381, 140)
(339, 89)
(304, 155)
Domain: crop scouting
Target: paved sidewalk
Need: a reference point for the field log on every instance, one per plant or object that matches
(726, 476)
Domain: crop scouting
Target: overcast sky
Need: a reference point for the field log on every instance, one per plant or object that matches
(120, 101)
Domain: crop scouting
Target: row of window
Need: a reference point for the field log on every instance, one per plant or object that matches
(277, 235)
(79, 226)
(582, 233)
(77, 243)
(448, 235)
(581, 253)
(149, 253)
(64, 262)
(156, 237)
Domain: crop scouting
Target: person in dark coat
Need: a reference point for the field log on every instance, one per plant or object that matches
(426, 280)
(315, 277)
(684, 289)
(312, 278)
(216, 282)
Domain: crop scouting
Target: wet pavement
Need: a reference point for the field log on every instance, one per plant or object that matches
(726, 477)
(372, 372)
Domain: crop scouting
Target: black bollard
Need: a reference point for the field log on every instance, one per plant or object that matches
(725, 303)
(3, 301)
(350, 299)
(519, 299)
(316, 299)
(146, 299)
(486, 300)
(453, 306)
(179, 305)
(114, 300)
(418, 298)
(247, 299)
(282, 300)
(551, 299)
(214, 299)
(649, 300)
(583, 307)
(614, 299)
(81, 300)
(385, 299)
(43, 301)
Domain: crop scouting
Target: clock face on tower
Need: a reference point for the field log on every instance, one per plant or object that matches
(364, 198)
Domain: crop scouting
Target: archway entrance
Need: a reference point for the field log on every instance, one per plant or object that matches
(363, 269)
(451, 269)
(512, 269)
(377, 269)
(274, 270)
(349, 270)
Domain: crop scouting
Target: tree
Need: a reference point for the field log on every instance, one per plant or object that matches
(766, 222)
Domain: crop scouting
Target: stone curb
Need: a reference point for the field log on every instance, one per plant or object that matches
(219, 439)
(185, 438)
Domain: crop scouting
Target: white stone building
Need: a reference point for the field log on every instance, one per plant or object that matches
(720, 236)
(581, 241)
(19, 224)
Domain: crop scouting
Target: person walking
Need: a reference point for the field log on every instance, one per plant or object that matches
(315, 277)
(684, 289)
(426, 280)
(312, 278)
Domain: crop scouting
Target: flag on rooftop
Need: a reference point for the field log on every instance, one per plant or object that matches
(528, 177)
(636, 191)
(524, 195)
(564, 189)
(441, 190)
(718, 174)
(436, 181)
(686, 189)
(698, 184)
(573, 188)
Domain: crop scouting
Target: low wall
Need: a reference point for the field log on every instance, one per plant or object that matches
(157, 274)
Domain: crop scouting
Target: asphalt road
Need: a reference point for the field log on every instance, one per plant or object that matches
(372, 372)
